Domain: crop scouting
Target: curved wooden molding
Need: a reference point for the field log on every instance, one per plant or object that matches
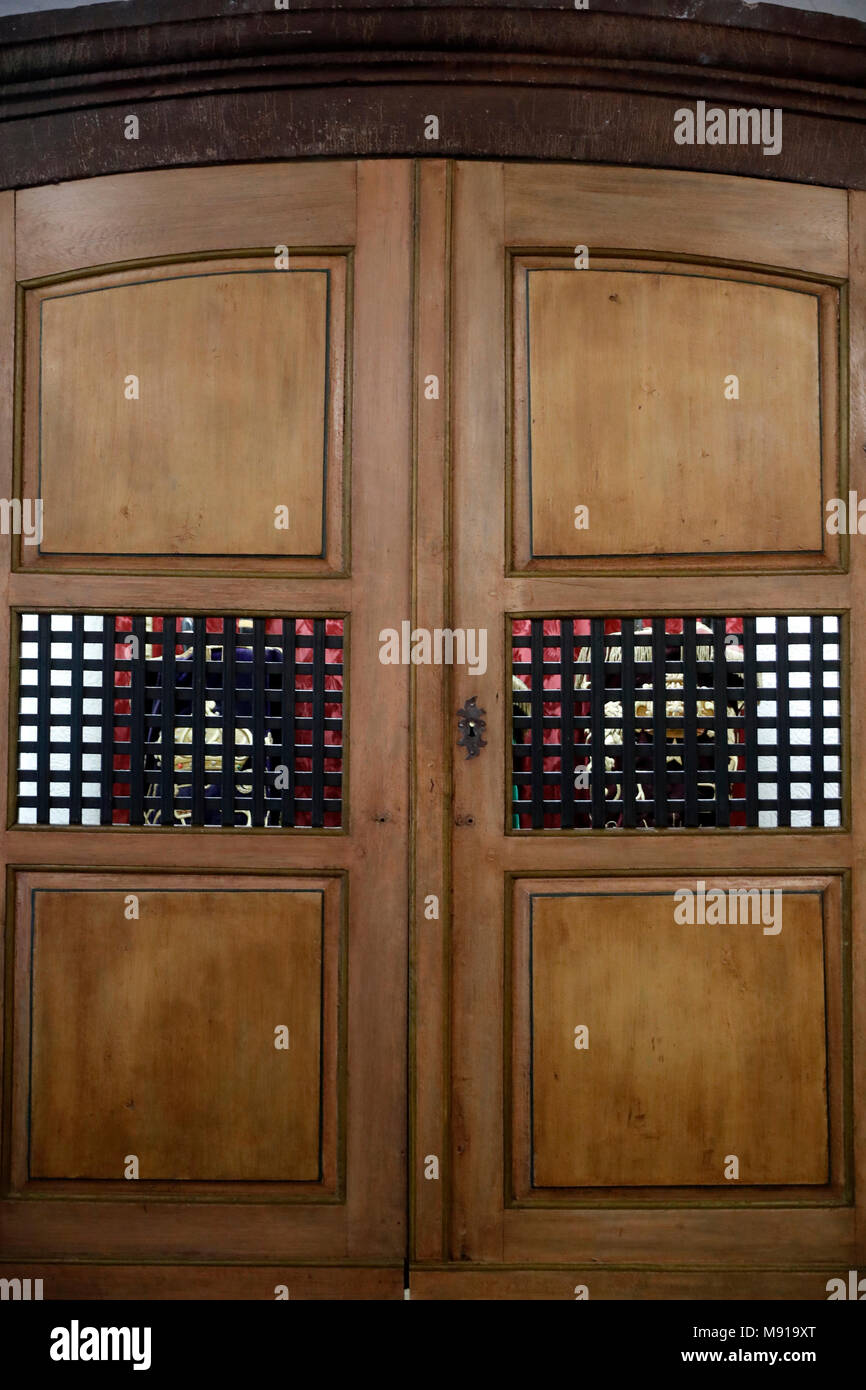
(523, 81)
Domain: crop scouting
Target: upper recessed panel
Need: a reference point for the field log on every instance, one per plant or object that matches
(195, 414)
(667, 417)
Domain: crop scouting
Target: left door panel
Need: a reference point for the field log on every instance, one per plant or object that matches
(204, 966)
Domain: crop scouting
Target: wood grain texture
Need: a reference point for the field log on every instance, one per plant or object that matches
(128, 1281)
(228, 425)
(628, 126)
(628, 375)
(155, 593)
(679, 1225)
(432, 720)
(554, 1285)
(360, 1202)
(7, 349)
(182, 1282)
(144, 1228)
(7, 376)
(785, 225)
(529, 82)
(176, 212)
(746, 850)
(703, 1042)
(828, 428)
(681, 592)
(560, 116)
(325, 119)
(379, 714)
(499, 22)
(857, 481)
(526, 1191)
(248, 406)
(716, 1236)
(478, 443)
(155, 1036)
(141, 1060)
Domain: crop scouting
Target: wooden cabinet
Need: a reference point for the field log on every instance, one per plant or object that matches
(348, 997)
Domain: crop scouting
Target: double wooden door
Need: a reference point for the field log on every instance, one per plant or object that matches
(303, 998)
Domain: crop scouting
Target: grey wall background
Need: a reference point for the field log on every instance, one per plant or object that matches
(29, 6)
(851, 9)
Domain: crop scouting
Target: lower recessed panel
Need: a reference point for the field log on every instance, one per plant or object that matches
(179, 1028)
(674, 1038)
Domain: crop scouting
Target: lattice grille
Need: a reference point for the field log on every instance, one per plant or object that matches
(251, 709)
(751, 734)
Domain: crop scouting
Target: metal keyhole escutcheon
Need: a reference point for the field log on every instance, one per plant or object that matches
(470, 722)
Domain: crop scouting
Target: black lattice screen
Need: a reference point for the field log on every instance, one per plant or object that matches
(751, 734)
(237, 722)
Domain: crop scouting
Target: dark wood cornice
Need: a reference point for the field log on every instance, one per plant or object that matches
(213, 81)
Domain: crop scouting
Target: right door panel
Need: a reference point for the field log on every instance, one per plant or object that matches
(653, 1084)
